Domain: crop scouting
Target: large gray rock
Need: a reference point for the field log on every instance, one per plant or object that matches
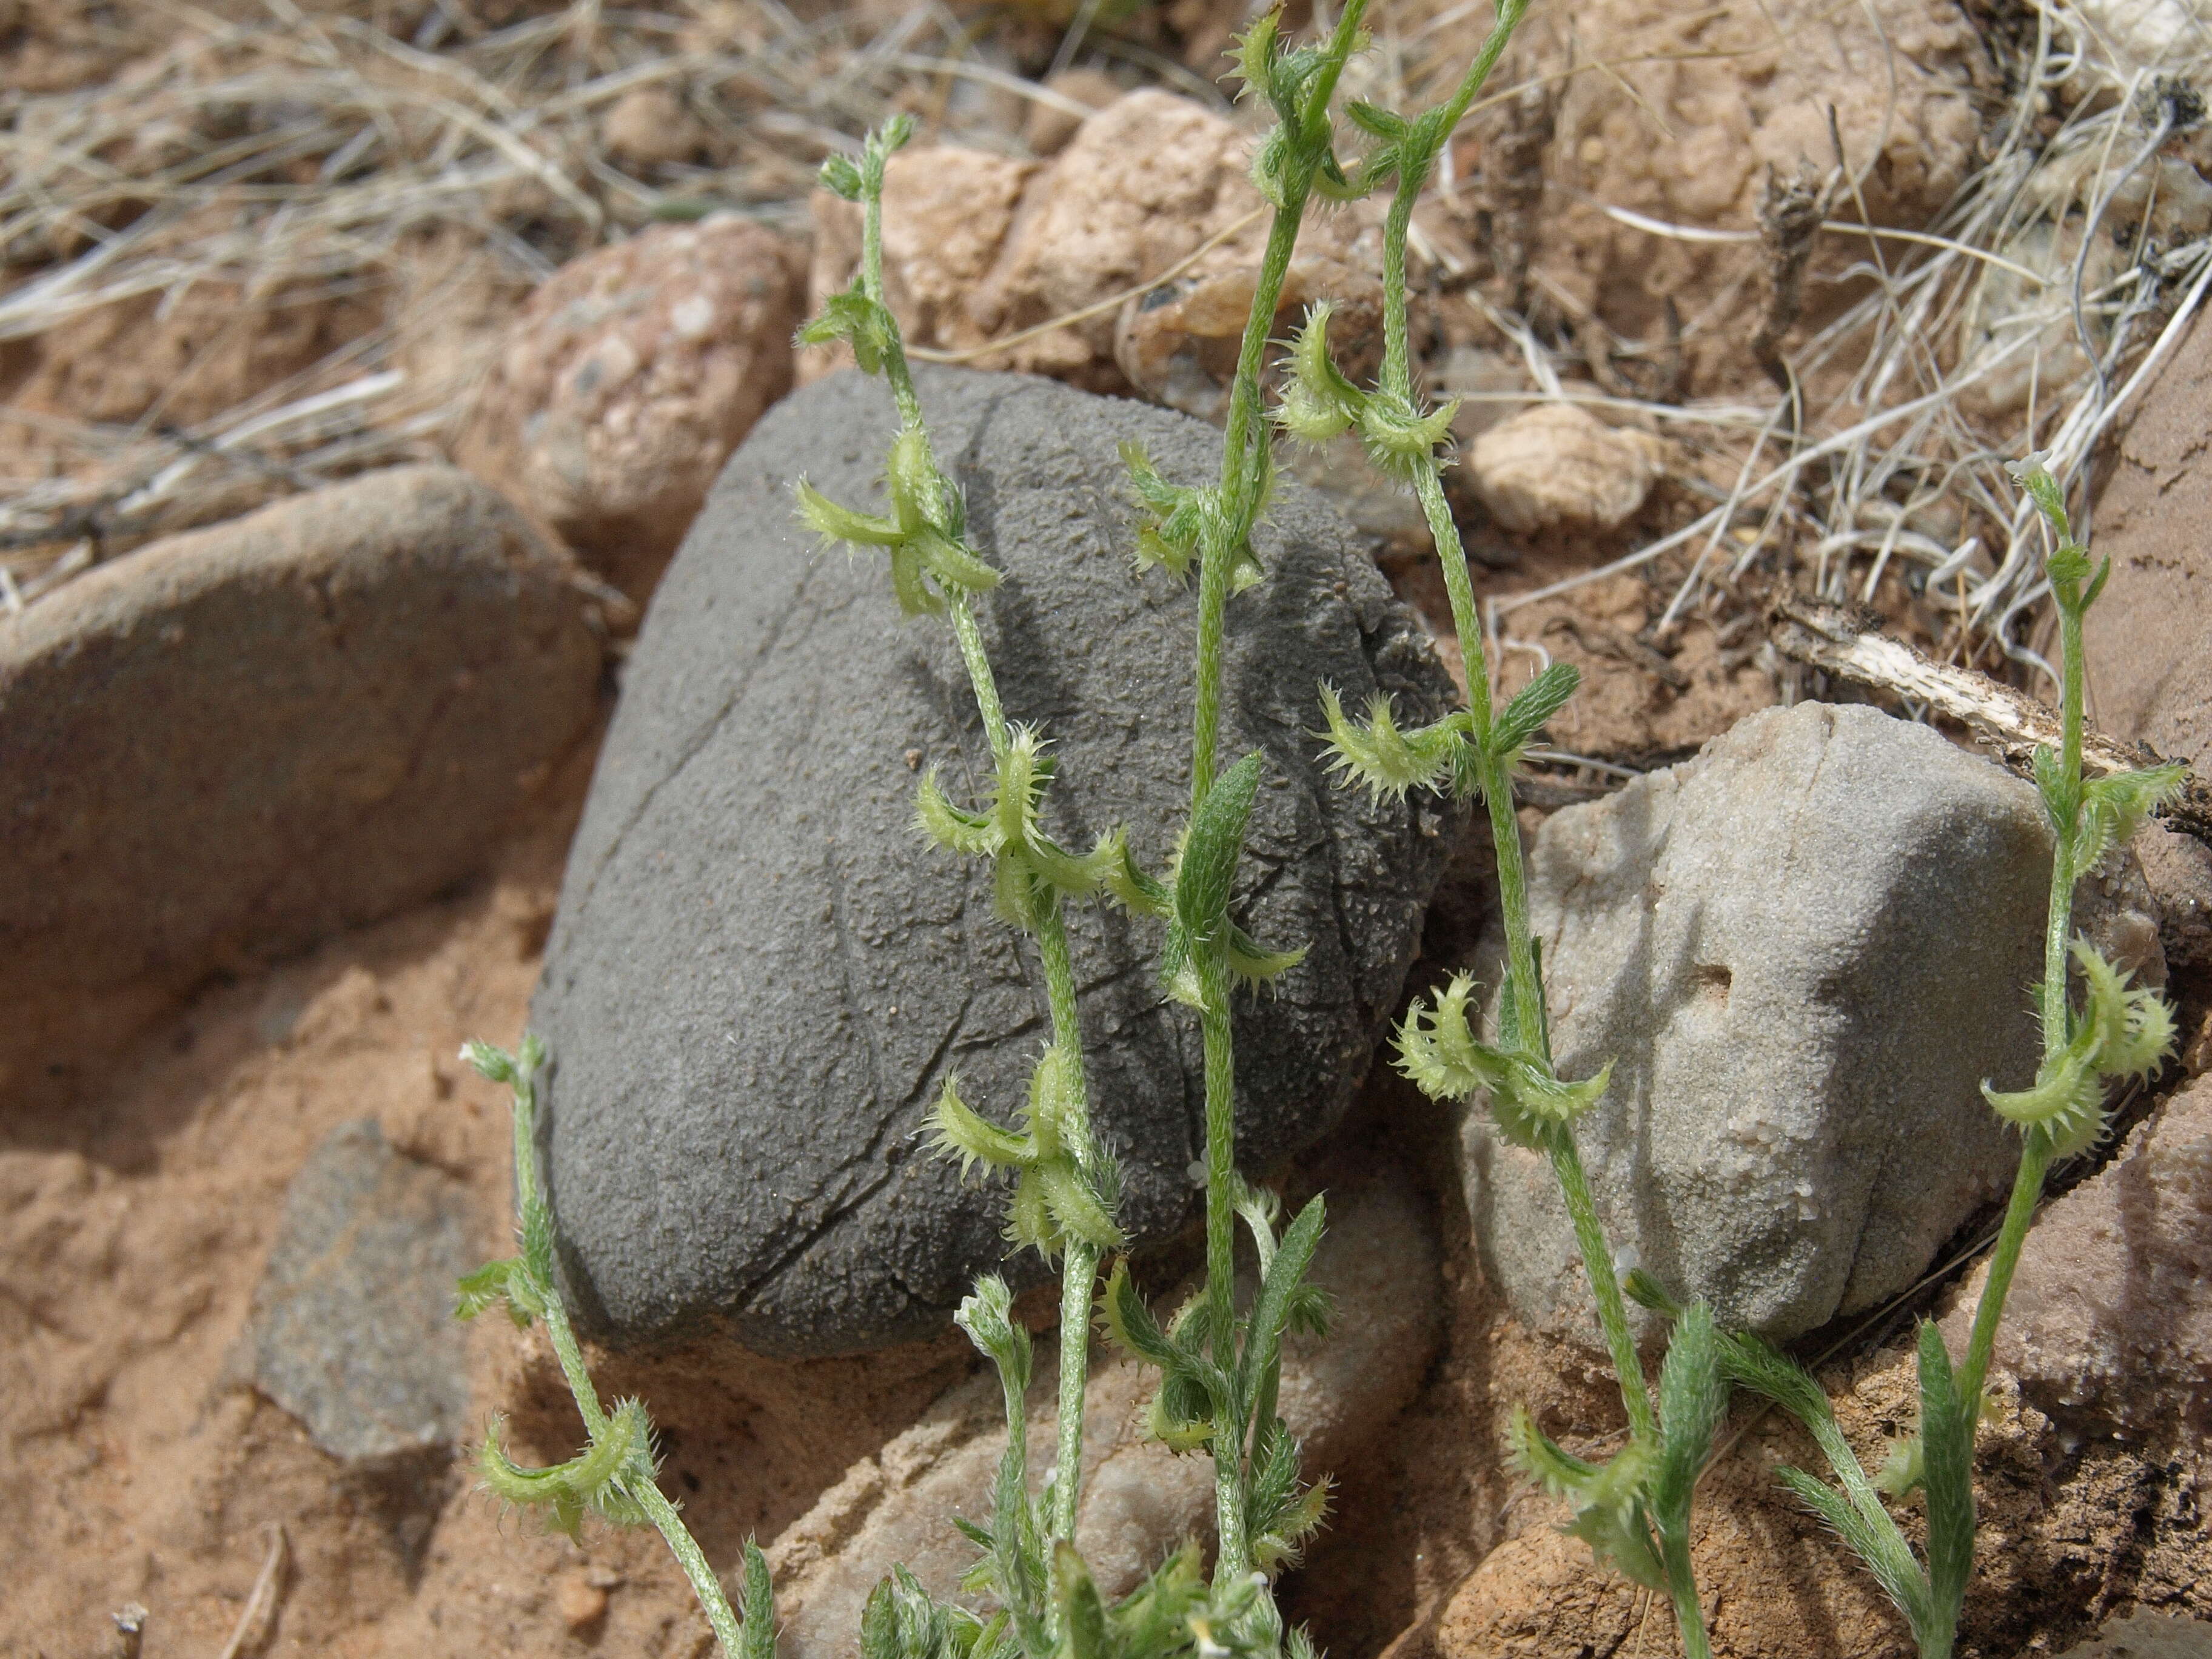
(241, 738)
(1803, 950)
(353, 1321)
(760, 974)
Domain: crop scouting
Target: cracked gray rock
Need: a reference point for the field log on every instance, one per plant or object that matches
(760, 974)
(1804, 950)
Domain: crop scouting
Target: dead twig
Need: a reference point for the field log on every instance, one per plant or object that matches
(257, 1622)
(1790, 212)
(1846, 641)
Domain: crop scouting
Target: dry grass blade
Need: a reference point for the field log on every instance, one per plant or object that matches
(256, 1621)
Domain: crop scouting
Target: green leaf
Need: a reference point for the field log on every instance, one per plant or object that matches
(1271, 1308)
(1130, 1322)
(1540, 1458)
(1211, 851)
(1318, 401)
(1152, 1619)
(965, 1133)
(1253, 964)
(508, 1282)
(1532, 710)
(1082, 1614)
(2131, 1027)
(1387, 759)
(1644, 1289)
(1076, 1210)
(834, 523)
(1947, 1437)
(2032, 475)
(1881, 1550)
(1905, 1471)
(1170, 538)
(1400, 440)
(2067, 1103)
(1370, 118)
(841, 176)
(987, 1314)
(757, 1641)
(494, 1065)
(1692, 1401)
(2114, 807)
(973, 834)
(589, 1480)
(857, 321)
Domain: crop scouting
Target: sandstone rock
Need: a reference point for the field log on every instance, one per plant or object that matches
(946, 213)
(759, 975)
(2150, 637)
(1046, 130)
(248, 736)
(1557, 464)
(353, 1326)
(1139, 1501)
(2109, 1318)
(1683, 130)
(628, 379)
(1803, 950)
(2147, 1635)
(977, 248)
(648, 127)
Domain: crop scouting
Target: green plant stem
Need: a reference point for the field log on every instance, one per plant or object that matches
(1245, 463)
(980, 677)
(2035, 1155)
(1220, 1160)
(1233, 1554)
(645, 1492)
(1682, 1587)
(1605, 1285)
(1080, 1266)
(689, 1557)
(1496, 785)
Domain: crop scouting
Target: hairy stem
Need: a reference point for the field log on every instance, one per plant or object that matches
(1079, 1264)
(1605, 1286)
(693, 1559)
(1682, 1587)
(2035, 1155)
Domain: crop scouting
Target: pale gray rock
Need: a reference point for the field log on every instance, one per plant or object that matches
(1803, 950)
(353, 1321)
(1139, 1501)
(760, 974)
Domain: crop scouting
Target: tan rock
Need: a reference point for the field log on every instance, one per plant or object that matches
(649, 126)
(2147, 1635)
(628, 379)
(1557, 464)
(2110, 1318)
(977, 248)
(1139, 1501)
(1692, 111)
(2150, 637)
(580, 1602)
(1047, 129)
(245, 739)
(947, 213)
